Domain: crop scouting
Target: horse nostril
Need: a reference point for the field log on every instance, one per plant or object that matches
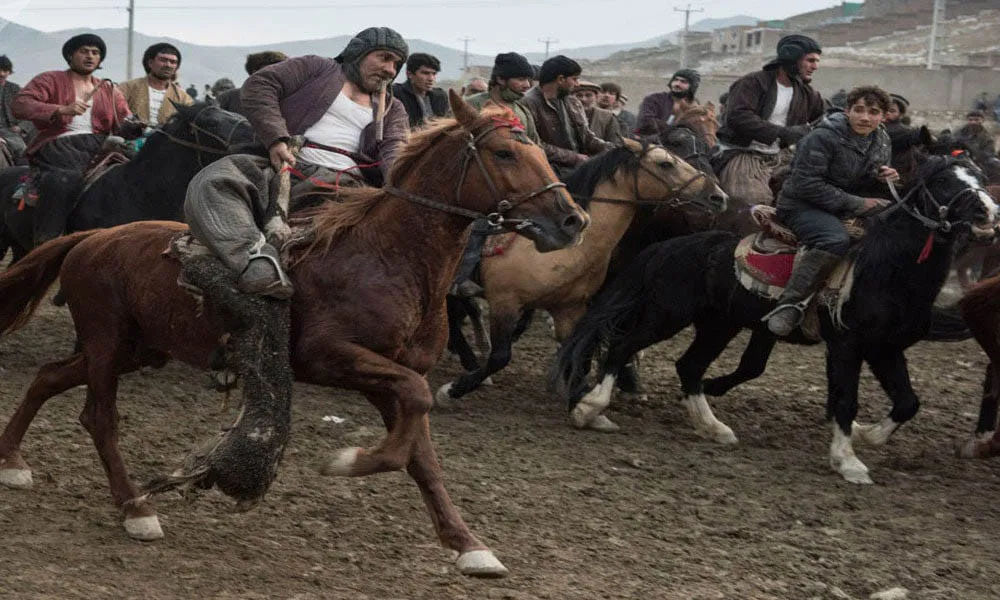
(572, 224)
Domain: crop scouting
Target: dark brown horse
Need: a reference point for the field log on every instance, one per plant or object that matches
(367, 315)
(981, 313)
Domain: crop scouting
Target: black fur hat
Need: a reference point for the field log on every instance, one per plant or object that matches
(84, 39)
(511, 64)
(556, 66)
(693, 77)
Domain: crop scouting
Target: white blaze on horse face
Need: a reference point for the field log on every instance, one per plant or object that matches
(969, 179)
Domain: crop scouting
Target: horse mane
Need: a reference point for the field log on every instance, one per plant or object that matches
(348, 207)
(585, 179)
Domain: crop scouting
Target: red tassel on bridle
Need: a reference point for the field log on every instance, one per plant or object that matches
(928, 246)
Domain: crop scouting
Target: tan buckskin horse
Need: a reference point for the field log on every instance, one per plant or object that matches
(614, 186)
(367, 315)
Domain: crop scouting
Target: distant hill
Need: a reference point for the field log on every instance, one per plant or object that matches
(605, 50)
(35, 51)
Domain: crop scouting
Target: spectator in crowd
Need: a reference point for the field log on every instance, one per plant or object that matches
(982, 102)
(602, 122)
(230, 100)
(152, 98)
(562, 125)
(658, 110)
(13, 131)
(192, 91)
(611, 98)
(974, 135)
(476, 85)
(421, 99)
(839, 99)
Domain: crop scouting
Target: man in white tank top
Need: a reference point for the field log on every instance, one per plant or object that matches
(332, 103)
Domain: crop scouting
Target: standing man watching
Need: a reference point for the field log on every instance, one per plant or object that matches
(658, 111)
(602, 122)
(14, 132)
(610, 98)
(422, 100)
(230, 100)
(74, 112)
(767, 112)
(151, 98)
(562, 125)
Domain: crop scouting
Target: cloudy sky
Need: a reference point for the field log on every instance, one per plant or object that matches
(495, 25)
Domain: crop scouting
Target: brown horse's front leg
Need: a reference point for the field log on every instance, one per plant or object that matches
(400, 394)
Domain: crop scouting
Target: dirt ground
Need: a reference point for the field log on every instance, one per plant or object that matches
(652, 512)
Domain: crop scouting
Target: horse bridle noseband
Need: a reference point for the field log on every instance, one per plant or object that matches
(504, 204)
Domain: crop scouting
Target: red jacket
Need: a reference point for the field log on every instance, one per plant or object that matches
(41, 98)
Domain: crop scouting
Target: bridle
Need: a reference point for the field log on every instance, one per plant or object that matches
(198, 131)
(504, 204)
(940, 222)
(673, 200)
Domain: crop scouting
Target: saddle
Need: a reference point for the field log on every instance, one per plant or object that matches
(764, 263)
(113, 153)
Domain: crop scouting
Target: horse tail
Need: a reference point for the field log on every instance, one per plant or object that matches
(605, 323)
(24, 284)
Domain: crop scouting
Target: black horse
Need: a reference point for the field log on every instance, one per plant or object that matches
(691, 280)
(149, 187)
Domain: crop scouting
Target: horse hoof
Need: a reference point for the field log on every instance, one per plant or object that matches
(18, 479)
(487, 381)
(145, 529)
(480, 563)
(443, 396)
(854, 471)
(723, 434)
(603, 424)
(343, 464)
(582, 415)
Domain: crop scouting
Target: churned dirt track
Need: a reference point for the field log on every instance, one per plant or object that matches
(652, 512)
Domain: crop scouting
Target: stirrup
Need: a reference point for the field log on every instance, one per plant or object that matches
(799, 306)
(282, 278)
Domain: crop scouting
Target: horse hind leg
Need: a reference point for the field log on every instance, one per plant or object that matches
(753, 362)
(843, 374)
(984, 442)
(52, 379)
(502, 326)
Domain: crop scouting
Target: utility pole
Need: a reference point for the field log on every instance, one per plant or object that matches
(548, 41)
(131, 35)
(465, 55)
(684, 43)
(936, 19)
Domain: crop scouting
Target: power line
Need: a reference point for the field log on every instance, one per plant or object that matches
(548, 41)
(684, 43)
(465, 53)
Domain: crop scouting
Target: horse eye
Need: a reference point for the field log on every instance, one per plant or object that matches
(668, 164)
(504, 154)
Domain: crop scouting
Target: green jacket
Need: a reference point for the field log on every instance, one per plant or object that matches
(479, 101)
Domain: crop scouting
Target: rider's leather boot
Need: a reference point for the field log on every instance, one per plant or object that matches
(264, 275)
(809, 273)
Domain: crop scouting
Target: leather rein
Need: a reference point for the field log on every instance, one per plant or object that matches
(504, 204)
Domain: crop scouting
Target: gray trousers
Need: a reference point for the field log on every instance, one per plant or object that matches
(229, 202)
(815, 228)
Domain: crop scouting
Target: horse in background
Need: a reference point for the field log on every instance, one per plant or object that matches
(367, 314)
(616, 187)
(899, 267)
(151, 186)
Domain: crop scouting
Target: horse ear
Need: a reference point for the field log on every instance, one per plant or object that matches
(632, 145)
(464, 113)
(187, 112)
(924, 136)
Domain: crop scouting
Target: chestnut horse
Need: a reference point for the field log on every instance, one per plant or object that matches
(367, 314)
(981, 313)
(613, 186)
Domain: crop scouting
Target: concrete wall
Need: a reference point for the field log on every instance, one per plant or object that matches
(948, 88)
